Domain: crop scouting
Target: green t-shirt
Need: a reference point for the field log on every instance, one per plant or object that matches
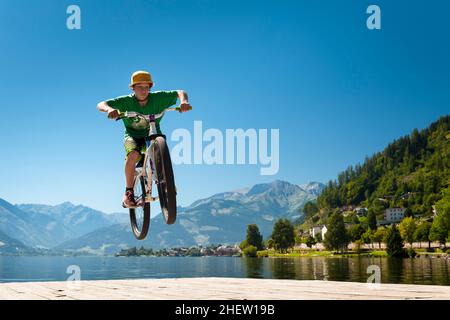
(157, 102)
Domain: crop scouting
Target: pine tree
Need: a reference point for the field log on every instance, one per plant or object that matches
(254, 237)
(394, 242)
(371, 220)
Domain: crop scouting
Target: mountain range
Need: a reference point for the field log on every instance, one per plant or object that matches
(219, 219)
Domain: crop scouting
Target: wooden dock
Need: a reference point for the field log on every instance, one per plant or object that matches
(218, 288)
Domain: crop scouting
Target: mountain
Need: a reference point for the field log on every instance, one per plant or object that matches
(44, 226)
(411, 172)
(219, 219)
(30, 229)
(76, 219)
(10, 246)
(314, 188)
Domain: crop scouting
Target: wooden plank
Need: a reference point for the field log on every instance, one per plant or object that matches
(218, 288)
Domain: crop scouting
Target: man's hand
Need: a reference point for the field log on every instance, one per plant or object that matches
(185, 106)
(113, 113)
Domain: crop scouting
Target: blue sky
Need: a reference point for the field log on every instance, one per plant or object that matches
(336, 90)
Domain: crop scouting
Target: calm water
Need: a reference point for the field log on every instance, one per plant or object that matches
(418, 271)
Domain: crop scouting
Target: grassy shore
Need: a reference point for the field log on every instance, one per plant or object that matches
(325, 253)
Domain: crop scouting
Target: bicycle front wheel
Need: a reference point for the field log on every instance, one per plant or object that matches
(140, 216)
(165, 180)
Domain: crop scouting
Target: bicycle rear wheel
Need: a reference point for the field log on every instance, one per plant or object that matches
(140, 216)
(165, 180)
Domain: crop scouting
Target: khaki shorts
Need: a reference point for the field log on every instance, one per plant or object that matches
(134, 144)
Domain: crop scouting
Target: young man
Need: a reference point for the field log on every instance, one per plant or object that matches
(145, 102)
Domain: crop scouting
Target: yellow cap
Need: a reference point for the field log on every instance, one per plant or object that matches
(141, 76)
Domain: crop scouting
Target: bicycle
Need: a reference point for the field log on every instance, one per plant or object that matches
(156, 166)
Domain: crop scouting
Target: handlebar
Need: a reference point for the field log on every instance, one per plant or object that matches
(148, 117)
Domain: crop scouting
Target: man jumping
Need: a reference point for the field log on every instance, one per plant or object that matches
(145, 102)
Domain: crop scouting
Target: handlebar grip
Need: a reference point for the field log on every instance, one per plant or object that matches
(179, 109)
(121, 115)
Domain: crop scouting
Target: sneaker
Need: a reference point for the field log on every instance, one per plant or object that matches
(128, 200)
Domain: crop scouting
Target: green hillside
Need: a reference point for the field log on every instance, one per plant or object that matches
(411, 172)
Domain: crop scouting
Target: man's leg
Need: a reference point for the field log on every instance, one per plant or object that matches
(132, 157)
(130, 166)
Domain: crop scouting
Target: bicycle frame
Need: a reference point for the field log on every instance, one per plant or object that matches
(149, 156)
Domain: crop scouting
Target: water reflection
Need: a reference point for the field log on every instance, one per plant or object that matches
(393, 270)
(254, 267)
(416, 271)
(283, 268)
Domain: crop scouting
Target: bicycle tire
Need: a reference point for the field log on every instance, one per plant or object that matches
(165, 180)
(140, 225)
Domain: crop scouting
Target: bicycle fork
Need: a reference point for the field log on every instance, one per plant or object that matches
(148, 178)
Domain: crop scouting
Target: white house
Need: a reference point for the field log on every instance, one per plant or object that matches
(320, 229)
(361, 212)
(227, 250)
(392, 215)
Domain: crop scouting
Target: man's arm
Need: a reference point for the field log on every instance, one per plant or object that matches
(103, 107)
(184, 101)
(182, 95)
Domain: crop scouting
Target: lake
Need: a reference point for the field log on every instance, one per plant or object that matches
(434, 271)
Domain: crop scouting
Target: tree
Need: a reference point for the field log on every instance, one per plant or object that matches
(379, 235)
(422, 233)
(310, 241)
(283, 235)
(132, 251)
(409, 213)
(254, 237)
(355, 232)
(372, 219)
(336, 237)
(394, 242)
(407, 229)
(355, 219)
(298, 239)
(367, 237)
(439, 230)
(269, 243)
(243, 244)
(318, 237)
(394, 176)
(250, 251)
(358, 244)
(310, 209)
